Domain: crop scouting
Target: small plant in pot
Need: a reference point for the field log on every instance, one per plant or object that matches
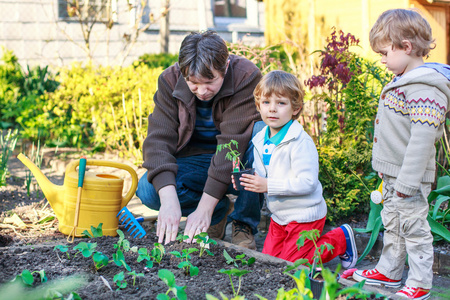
(233, 156)
(316, 268)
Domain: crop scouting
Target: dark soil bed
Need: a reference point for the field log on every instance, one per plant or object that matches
(33, 250)
(264, 278)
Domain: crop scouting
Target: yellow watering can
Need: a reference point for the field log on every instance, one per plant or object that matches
(100, 201)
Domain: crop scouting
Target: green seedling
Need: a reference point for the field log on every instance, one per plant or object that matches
(158, 252)
(100, 260)
(96, 232)
(119, 280)
(52, 294)
(204, 241)
(232, 154)
(134, 275)
(86, 249)
(239, 259)
(63, 287)
(63, 249)
(234, 272)
(27, 277)
(181, 237)
(314, 235)
(300, 276)
(155, 255)
(119, 259)
(185, 264)
(123, 243)
(144, 255)
(211, 297)
(169, 279)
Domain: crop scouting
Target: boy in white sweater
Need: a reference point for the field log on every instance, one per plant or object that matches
(287, 170)
(410, 120)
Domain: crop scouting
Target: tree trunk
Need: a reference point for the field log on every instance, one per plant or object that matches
(164, 31)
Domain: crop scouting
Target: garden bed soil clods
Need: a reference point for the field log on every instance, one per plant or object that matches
(265, 278)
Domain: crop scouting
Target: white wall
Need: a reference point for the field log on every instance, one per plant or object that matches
(31, 29)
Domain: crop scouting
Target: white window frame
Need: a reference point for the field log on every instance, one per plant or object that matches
(61, 4)
(252, 18)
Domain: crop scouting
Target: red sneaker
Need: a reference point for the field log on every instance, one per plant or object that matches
(373, 277)
(414, 293)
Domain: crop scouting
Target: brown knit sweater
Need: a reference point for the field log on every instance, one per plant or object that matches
(172, 123)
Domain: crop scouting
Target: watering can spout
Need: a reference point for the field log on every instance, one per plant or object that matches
(52, 192)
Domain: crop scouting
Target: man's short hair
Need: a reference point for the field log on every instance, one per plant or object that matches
(201, 52)
(282, 84)
(396, 25)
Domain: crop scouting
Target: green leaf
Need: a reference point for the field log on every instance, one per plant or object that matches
(375, 210)
(100, 260)
(180, 292)
(62, 248)
(227, 256)
(97, 232)
(86, 233)
(373, 238)
(438, 229)
(167, 277)
(119, 277)
(42, 275)
(193, 270)
(26, 277)
(184, 264)
(176, 253)
(444, 188)
(439, 200)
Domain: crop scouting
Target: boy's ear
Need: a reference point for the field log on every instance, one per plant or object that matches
(407, 46)
(297, 111)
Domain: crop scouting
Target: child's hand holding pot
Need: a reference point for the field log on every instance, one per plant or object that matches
(253, 183)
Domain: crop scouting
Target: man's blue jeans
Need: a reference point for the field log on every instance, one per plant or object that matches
(190, 181)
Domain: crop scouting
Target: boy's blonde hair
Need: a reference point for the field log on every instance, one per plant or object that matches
(396, 25)
(282, 84)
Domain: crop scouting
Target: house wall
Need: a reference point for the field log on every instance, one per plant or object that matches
(358, 16)
(32, 30)
(315, 19)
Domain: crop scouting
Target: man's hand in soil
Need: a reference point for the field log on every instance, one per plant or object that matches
(169, 215)
(200, 219)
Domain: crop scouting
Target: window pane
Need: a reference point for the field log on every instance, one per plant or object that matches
(93, 8)
(230, 8)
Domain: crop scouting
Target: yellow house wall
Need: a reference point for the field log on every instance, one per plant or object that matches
(351, 16)
(437, 19)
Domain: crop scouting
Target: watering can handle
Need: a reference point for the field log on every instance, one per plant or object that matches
(105, 163)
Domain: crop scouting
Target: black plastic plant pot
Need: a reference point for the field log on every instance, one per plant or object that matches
(317, 283)
(237, 175)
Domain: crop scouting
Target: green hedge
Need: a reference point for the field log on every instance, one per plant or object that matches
(102, 106)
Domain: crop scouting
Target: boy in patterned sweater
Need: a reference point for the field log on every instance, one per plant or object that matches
(410, 120)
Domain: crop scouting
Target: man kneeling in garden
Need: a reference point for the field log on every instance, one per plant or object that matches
(204, 100)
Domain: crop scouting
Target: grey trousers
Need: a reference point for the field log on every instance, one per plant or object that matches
(407, 232)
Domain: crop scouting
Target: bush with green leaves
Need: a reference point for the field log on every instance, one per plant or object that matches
(7, 144)
(102, 106)
(160, 60)
(350, 86)
(23, 95)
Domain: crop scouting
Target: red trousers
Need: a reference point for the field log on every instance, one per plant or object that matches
(281, 241)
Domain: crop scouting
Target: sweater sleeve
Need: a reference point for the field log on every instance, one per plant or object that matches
(426, 109)
(237, 122)
(162, 136)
